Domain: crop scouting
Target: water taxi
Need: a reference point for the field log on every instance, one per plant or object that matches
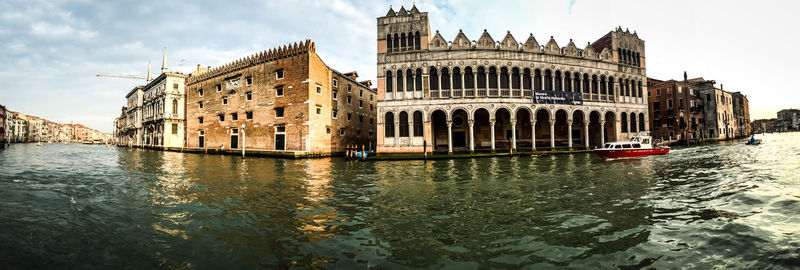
(638, 146)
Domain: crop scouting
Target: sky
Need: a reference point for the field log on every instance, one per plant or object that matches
(50, 51)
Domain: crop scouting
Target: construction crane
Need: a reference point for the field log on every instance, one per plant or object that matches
(124, 76)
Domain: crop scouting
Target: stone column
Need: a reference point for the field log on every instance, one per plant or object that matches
(463, 87)
(533, 135)
(498, 82)
(514, 136)
(411, 130)
(510, 85)
(427, 134)
(487, 81)
(569, 132)
(552, 134)
(450, 137)
(580, 85)
(562, 82)
(451, 83)
(602, 132)
(491, 128)
(586, 133)
(397, 131)
(618, 128)
(475, 83)
(471, 136)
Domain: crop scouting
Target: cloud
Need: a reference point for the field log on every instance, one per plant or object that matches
(51, 31)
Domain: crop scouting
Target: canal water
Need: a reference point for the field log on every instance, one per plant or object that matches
(724, 205)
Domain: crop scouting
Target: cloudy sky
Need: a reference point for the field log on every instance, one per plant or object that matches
(50, 51)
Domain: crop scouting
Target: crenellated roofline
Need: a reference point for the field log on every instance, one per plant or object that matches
(262, 57)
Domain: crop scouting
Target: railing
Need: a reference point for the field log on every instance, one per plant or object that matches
(516, 92)
(481, 92)
(470, 93)
(505, 92)
(493, 92)
(458, 93)
(527, 93)
(434, 93)
(445, 93)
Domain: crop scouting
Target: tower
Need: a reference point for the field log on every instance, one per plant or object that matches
(164, 61)
(403, 31)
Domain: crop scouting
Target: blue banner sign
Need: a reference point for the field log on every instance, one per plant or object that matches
(557, 97)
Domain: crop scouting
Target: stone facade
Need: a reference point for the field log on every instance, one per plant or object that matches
(741, 114)
(466, 95)
(3, 127)
(282, 100)
(720, 122)
(788, 120)
(132, 132)
(163, 119)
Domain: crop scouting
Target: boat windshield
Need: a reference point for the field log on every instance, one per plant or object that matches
(626, 146)
(608, 145)
(636, 145)
(618, 146)
(646, 141)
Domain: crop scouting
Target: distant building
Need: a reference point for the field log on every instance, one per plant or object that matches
(133, 129)
(719, 118)
(3, 126)
(789, 120)
(741, 114)
(765, 125)
(284, 99)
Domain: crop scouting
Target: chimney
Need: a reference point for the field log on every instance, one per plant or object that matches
(198, 67)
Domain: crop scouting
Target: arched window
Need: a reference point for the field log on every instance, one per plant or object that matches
(402, 42)
(576, 81)
(409, 80)
(548, 80)
(611, 86)
(504, 78)
(639, 85)
(641, 122)
(403, 124)
(567, 82)
(515, 79)
(526, 79)
(537, 79)
(594, 84)
(492, 78)
(586, 83)
(388, 125)
(445, 79)
(633, 122)
(603, 85)
(399, 81)
(388, 42)
(627, 88)
(410, 43)
(457, 78)
(418, 81)
(481, 78)
(418, 124)
(624, 119)
(558, 82)
(469, 78)
(416, 41)
(396, 44)
(174, 106)
(434, 79)
(389, 83)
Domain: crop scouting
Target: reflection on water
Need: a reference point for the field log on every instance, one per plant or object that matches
(715, 205)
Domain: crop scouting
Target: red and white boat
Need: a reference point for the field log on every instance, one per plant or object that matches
(638, 146)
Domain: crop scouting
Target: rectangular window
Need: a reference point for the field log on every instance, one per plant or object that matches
(680, 90)
(335, 113)
(219, 88)
(335, 83)
(248, 80)
(328, 130)
(200, 120)
(200, 92)
(658, 92)
(370, 97)
(360, 93)
(358, 133)
(249, 115)
(319, 110)
(249, 95)
(200, 104)
(708, 97)
(361, 119)
(348, 99)
(319, 89)
(349, 115)
(175, 128)
(370, 107)
(234, 116)
(279, 112)
(335, 94)
(279, 91)
(669, 103)
(175, 86)
(221, 117)
(372, 119)
(279, 74)
(656, 106)
(341, 132)
(360, 103)
(224, 100)
(680, 103)
(349, 88)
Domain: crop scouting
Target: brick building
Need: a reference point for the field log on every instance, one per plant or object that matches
(284, 99)
(676, 111)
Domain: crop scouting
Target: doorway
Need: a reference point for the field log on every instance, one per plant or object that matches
(234, 138)
(202, 139)
(280, 138)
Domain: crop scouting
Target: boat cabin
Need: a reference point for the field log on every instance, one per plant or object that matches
(637, 142)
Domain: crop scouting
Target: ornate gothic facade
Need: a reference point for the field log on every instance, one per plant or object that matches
(484, 95)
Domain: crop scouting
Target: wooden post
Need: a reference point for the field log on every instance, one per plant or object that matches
(425, 149)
